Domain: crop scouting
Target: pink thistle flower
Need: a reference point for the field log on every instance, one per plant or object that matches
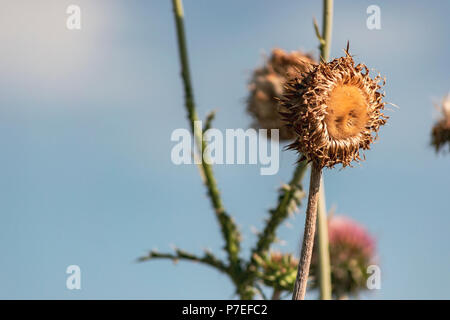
(352, 250)
(343, 231)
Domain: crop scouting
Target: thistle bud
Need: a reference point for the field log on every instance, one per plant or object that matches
(278, 270)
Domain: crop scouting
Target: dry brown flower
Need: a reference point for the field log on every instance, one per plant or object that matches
(440, 134)
(267, 87)
(336, 109)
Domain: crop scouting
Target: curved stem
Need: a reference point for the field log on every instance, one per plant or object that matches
(308, 236)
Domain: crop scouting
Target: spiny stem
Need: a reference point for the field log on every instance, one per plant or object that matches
(228, 227)
(308, 236)
(208, 259)
(267, 237)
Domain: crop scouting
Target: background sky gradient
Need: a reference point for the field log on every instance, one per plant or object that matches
(85, 124)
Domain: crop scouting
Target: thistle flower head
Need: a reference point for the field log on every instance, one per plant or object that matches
(278, 270)
(267, 87)
(352, 250)
(441, 130)
(344, 231)
(336, 109)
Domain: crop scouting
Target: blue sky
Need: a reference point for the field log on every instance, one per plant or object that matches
(85, 124)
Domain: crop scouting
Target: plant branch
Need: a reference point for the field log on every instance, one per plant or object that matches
(228, 227)
(318, 35)
(208, 258)
(260, 291)
(290, 198)
(308, 236)
(293, 192)
(208, 121)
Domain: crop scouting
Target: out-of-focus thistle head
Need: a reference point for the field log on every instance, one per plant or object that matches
(267, 86)
(352, 250)
(277, 270)
(441, 131)
(336, 109)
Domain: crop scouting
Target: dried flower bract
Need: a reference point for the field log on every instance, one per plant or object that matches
(336, 109)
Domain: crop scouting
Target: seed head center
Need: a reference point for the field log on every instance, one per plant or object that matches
(347, 112)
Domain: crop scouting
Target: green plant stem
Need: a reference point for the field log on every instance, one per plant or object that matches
(327, 28)
(267, 237)
(208, 258)
(228, 227)
(322, 224)
(323, 247)
(277, 216)
(260, 291)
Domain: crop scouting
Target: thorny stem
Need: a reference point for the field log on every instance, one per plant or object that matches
(208, 258)
(308, 236)
(281, 212)
(277, 216)
(228, 227)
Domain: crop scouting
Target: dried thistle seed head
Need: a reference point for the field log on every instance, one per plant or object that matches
(267, 86)
(352, 250)
(440, 134)
(335, 109)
